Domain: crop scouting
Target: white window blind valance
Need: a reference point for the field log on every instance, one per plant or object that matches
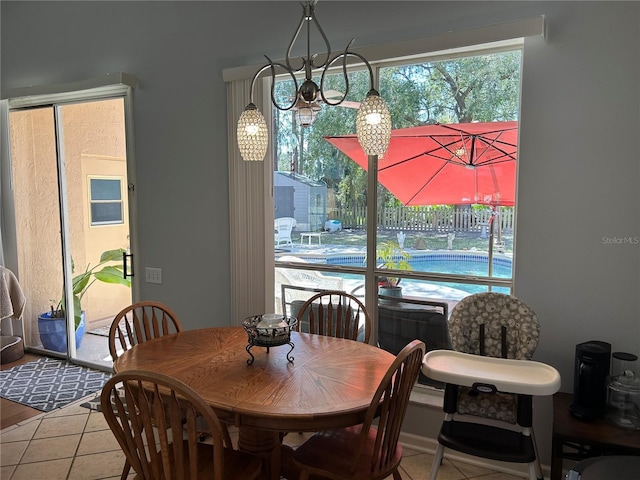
(497, 36)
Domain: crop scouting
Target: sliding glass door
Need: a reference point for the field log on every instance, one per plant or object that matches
(71, 210)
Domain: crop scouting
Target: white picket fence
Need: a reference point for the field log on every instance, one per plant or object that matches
(428, 219)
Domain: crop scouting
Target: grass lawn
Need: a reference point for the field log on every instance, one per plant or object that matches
(414, 240)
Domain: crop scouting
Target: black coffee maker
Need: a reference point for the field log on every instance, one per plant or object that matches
(593, 361)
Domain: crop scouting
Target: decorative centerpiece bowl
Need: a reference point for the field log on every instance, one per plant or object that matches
(269, 330)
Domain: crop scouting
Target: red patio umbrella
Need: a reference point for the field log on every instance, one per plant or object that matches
(463, 163)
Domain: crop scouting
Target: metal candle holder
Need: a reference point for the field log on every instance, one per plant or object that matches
(261, 333)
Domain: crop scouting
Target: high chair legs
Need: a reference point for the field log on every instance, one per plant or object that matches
(437, 461)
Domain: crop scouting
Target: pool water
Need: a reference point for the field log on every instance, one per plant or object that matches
(453, 263)
(471, 268)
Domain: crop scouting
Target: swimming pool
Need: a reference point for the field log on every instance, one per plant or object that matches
(457, 263)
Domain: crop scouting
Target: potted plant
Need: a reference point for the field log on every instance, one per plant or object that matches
(52, 324)
(392, 257)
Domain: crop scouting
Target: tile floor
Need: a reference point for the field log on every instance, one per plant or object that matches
(75, 443)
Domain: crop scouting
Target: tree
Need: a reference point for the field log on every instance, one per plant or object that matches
(479, 88)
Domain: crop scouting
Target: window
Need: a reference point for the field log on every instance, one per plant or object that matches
(447, 193)
(105, 198)
(433, 247)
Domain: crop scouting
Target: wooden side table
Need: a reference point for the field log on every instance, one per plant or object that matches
(577, 439)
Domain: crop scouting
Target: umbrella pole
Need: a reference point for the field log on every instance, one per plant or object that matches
(499, 217)
(493, 217)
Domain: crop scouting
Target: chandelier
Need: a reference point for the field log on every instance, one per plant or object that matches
(373, 121)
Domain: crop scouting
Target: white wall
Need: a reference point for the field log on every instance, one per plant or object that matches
(578, 150)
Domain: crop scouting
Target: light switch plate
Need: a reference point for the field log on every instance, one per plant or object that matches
(153, 275)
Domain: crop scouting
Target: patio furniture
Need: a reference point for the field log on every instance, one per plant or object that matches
(364, 451)
(489, 376)
(293, 297)
(283, 227)
(295, 284)
(309, 236)
(437, 164)
(305, 278)
(407, 320)
(144, 408)
(335, 314)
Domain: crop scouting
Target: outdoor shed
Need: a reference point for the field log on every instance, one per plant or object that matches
(302, 198)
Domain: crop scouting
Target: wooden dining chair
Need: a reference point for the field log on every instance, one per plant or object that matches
(138, 323)
(364, 451)
(335, 314)
(149, 409)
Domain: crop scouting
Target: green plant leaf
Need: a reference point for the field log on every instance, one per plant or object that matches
(112, 274)
(111, 255)
(77, 311)
(393, 258)
(80, 282)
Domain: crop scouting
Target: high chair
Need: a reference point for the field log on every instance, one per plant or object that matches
(488, 375)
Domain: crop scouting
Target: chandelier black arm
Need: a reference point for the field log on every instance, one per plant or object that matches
(368, 65)
(293, 40)
(325, 63)
(272, 65)
(253, 81)
(308, 63)
(344, 55)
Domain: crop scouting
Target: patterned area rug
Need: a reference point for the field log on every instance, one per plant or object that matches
(93, 403)
(48, 383)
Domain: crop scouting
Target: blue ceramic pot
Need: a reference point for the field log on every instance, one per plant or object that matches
(53, 332)
(395, 292)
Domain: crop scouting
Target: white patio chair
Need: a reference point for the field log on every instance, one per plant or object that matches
(303, 283)
(283, 227)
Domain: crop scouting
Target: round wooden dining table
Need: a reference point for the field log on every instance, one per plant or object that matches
(329, 384)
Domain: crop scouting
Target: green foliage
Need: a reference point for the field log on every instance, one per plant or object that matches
(394, 258)
(83, 281)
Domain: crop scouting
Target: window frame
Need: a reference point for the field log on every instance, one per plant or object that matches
(91, 201)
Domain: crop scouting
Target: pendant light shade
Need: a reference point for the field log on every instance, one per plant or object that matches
(373, 124)
(305, 112)
(253, 138)
(305, 116)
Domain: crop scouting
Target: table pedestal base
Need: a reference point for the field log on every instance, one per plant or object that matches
(290, 470)
(265, 444)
